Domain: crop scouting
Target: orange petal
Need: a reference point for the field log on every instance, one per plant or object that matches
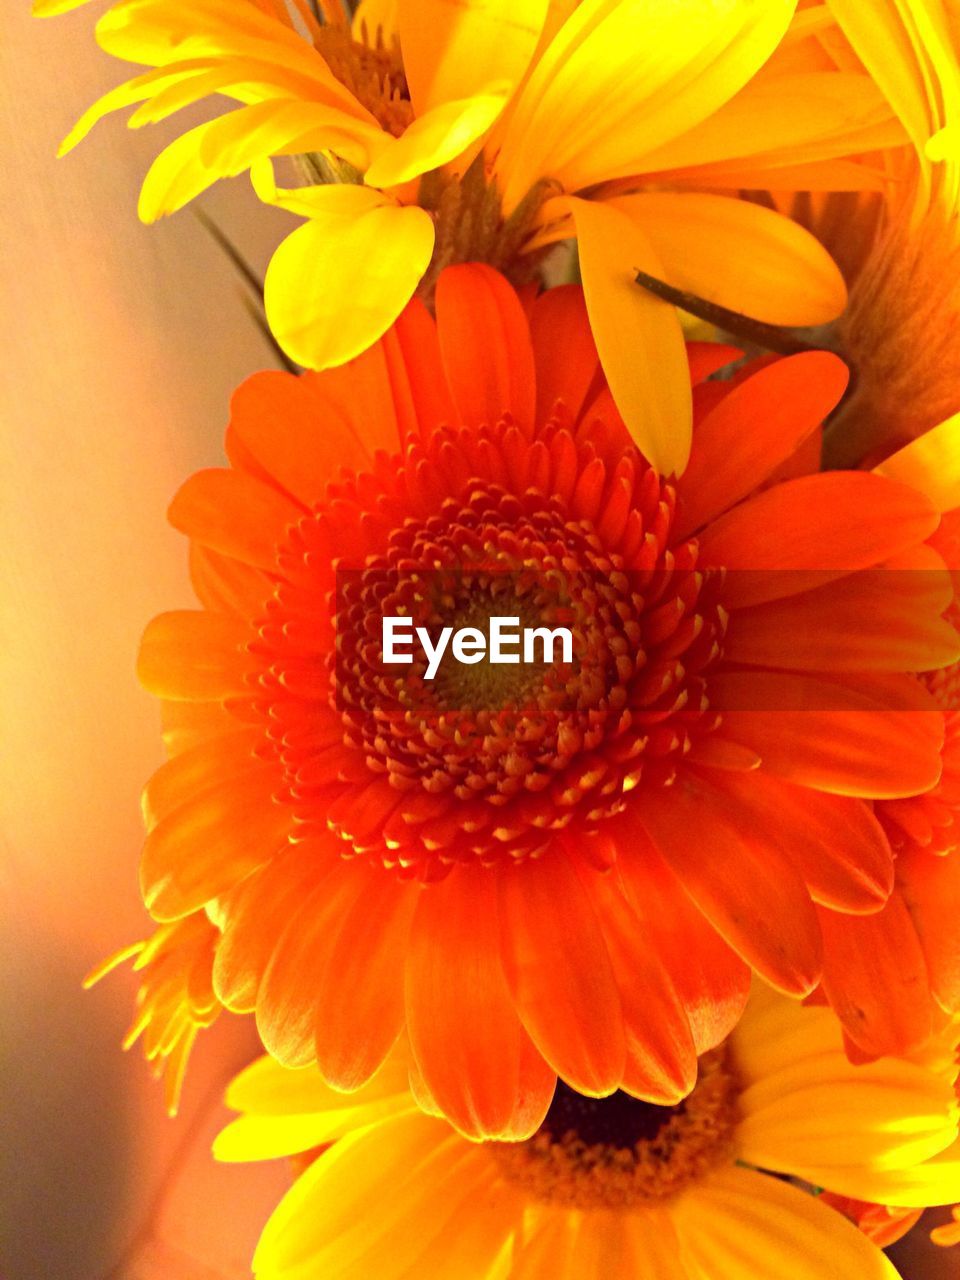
(930, 888)
(191, 655)
(560, 972)
(876, 979)
(834, 842)
(297, 433)
(800, 532)
(707, 358)
(734, 870)
(661, 1054)
(234, 514)
(848, 741)
(225, 585)
(473, 1055)
(755, 428)
(254, 916)
(287, 998)
(211, 842)
(415, 334)
(709, 977)
(485, 345)
(885, 619)
(359, 984)
(564, 351)
(191, 772)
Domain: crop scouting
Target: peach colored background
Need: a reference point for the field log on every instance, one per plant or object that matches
(120, 346)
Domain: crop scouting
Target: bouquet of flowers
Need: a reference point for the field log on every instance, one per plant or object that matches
(564, 744)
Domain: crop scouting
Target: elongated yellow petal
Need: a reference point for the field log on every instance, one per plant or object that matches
(882, 42)
(434, 139)
(125, 95)
(786, 119)
(933, 1182)
(638, 337)
(453, 49)
(736, 1217)
(740, 255)
(177, 176)
(50, 8)
(931, 464)
(608, 91)
(337, 283)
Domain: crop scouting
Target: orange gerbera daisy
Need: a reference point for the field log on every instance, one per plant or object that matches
(566, 869)
(893, 977)
(614, 1188)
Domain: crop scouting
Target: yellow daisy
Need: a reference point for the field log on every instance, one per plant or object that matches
(612, 1188)
(899, 247)
(175, 999)
(439, 132)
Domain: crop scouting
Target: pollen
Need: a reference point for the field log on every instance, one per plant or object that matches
(616, 1152)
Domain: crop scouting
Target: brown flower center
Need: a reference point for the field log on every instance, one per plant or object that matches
(611, 1153)
(372, 71)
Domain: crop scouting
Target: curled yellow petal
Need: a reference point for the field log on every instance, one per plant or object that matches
(337, 283)
(454, 49)
(434, 139)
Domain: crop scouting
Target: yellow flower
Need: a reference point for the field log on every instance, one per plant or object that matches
(175, 998)
(899, 247)
(623, 120)
(614, 1188)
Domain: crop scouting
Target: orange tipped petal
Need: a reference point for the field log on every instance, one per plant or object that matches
(194, 656)
(756, 427)
(560, 972)
(485, 345)
(473, 1055)
(875, 976)
(234, 514)
(735, 873)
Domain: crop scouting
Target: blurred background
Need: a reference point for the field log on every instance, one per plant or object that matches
(120, 347)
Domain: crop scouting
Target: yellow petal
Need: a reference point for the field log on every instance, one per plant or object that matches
(882, 42)
(124, 95)
(740, 255)
(177, 176)
(933, 1182)
(453, 49)
(434, 139)
(337, 283)
(737, 1223)
(621, 79)
(793, 119)
(372, 1204)
(638, 337)
(50, 8)
(931, 464)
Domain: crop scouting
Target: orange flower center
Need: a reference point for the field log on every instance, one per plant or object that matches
(615, 1152)
(485, 761)
(373, 72)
